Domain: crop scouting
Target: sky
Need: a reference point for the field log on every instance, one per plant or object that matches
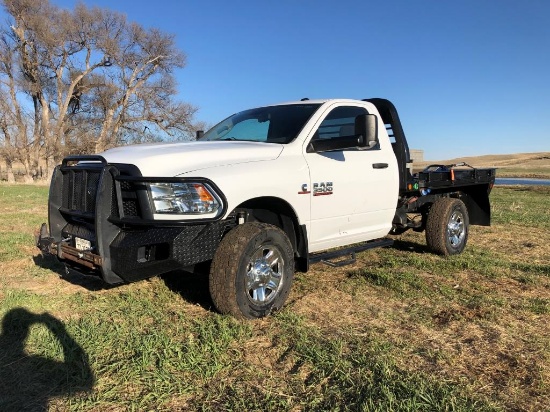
(468, 77)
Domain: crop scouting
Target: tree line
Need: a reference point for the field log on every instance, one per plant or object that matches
(82, 81)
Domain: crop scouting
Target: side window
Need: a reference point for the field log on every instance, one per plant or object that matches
(340, 122)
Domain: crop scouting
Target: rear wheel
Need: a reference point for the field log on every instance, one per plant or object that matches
(447, 226)
(252, 271)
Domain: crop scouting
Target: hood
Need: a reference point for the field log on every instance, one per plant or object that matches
(172, 159)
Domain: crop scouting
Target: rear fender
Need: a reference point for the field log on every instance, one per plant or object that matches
(476, 199)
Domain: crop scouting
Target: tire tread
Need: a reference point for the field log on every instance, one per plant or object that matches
(225, 266)
(436, 224)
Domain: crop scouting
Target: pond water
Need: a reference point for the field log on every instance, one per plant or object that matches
(521, 181)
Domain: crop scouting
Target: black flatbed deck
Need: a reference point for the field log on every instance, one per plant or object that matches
(454, 178)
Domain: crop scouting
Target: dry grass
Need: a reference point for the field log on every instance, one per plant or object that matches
(401, 328)
(533, 165)
(465, 327)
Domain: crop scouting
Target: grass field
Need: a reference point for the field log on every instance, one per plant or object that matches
(401, 329)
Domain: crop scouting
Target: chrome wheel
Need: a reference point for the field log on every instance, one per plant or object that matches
(252, 271)
(264, 274)
(447, 226)
(455, 229)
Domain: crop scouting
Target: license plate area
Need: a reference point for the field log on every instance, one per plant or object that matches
(82, 244)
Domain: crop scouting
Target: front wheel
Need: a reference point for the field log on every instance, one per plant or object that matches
(252, 271)
(447, 226)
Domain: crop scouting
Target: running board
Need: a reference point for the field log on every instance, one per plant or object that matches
(327, 257)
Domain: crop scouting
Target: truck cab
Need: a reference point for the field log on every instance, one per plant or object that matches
(342, 190)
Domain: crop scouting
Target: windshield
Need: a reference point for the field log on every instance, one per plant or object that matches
(272, 124)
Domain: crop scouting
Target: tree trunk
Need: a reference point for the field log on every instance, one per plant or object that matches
(101, 142)
(9, 172)
(50, 167)
(31, 166)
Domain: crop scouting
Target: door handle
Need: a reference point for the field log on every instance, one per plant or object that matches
(379, 165)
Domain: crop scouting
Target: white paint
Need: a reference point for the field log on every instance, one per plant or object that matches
(361, 207)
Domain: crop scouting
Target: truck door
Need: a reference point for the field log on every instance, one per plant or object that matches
(353, 192)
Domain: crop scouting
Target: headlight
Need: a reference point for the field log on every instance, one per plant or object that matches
(184, 198)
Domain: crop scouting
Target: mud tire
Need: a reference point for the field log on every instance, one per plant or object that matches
(252, 271)
(447, 226)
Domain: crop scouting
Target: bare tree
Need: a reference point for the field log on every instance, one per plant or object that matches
(84, 80)
(13, 120)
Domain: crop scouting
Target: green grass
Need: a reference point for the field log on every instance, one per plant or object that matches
(538, 306)
(397, 270)
(358, 373)
(523, 205)
(402, 330)
(22, 197)
(11, 245)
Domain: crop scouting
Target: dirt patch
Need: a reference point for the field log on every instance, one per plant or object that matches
(26, 274)
(521, 245)
(488, 355)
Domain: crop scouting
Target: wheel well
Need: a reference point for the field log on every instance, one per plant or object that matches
(280, 213)
(476, 199)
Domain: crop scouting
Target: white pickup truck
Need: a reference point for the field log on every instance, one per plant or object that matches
(263, 193)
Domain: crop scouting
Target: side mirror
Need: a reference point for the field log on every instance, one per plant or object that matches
(366, 129)
(365, 137)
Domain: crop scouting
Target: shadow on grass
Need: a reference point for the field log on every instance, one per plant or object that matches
(407, 246)
(88, 281)
(192, 286)
(28, 381)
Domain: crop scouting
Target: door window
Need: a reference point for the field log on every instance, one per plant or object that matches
(340, 122)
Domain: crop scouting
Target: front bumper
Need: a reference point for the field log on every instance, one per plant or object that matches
(105, 207)
(136, 255)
